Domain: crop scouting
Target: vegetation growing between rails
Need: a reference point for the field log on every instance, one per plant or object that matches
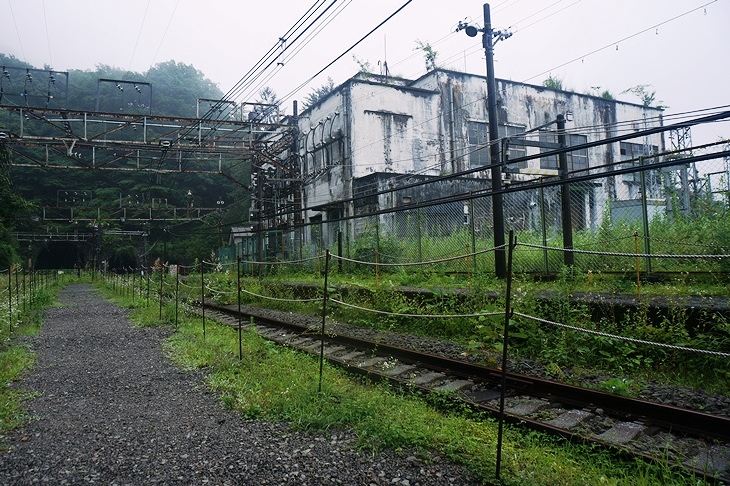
(570, 355)
(280, 384)
(15, 357)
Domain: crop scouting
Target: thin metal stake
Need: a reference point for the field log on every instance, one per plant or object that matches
(177, 291)
(240, 336)
(162, 269)
(324, 316)
(10, 296)
(507, 316)
(202, 295)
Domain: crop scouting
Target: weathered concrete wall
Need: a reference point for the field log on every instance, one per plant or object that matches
(396, 130)
(368, 127)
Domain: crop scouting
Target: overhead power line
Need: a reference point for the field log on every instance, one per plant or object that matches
(311, 78)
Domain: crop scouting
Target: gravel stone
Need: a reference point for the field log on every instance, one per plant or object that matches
(111, 409)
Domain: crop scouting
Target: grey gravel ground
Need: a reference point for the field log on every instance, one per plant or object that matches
(111, 409)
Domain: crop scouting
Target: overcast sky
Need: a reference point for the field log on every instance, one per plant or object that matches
(679, 47)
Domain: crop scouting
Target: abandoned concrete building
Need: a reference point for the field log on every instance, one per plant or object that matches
(373, 144)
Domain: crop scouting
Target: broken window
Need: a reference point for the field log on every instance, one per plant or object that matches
(478, 148)
(631, 152)
(515, 151)
(577, 159)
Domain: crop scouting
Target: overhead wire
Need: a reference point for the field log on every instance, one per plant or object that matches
(287, 56)
(164, 33)
(139, 34)
(272, 55)
(17, 31)
(612, 44)
(48, 37)
(633, 35)
(311, 78)
(603, 126)
(261, 64)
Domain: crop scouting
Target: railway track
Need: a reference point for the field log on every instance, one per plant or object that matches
(690, 439)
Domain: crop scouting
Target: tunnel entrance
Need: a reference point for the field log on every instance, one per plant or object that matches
(60, 254)
(123, 259)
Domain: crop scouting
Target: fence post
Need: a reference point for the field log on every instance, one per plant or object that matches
(148, 287)
(17, 290)
(325, 296)
(202, 295)
(420, 235)
(339, 250)
(162, 269)
(566, 213)
(25, 295)
(473, 234)
(177, 291)
(645, 216)
(543, 220)
(376, 267)
(238, 287)
(505, 338)
(10, 296)
(638, 270)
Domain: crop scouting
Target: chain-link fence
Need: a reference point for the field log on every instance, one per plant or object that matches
(683, 209)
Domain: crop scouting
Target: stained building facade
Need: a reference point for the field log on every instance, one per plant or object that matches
(376, 143)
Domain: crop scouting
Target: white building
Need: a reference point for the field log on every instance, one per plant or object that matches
(374, 133)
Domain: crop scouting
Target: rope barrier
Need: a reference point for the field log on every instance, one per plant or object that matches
(632, 255)
(623, 338)
(437, 316)
(186, 285)
(700, 245)
(283, 262)
(607, 242)
(413, 264)
(280, 300)
(220, 291)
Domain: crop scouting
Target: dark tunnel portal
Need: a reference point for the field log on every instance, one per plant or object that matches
(62, 254)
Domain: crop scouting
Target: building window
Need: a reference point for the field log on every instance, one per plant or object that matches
(478, 143)
(477, 149)
(515, 151)
(577, 159)
(632, 152)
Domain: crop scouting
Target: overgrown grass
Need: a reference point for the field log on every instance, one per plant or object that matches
(280, 384)
(557, 347)
(15, 357)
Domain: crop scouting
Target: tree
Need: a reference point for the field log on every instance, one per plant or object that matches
(553, 82)
(320, 93)
(364, 66)
(647, 97)
(13, 205)
(177, 88)
(267, 108)
(429, 54)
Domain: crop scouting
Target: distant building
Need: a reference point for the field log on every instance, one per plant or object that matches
(375, 133)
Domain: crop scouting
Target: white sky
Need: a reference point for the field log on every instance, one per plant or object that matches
(685, 60)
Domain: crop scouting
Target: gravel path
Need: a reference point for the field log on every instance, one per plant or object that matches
(113, 410)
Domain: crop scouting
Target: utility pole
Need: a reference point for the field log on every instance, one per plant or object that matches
(568, 257)
(500, 265)
(500, 262)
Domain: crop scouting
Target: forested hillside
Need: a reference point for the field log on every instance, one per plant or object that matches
(166, 89)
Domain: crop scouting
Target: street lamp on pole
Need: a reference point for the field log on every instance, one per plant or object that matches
(488, 34)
